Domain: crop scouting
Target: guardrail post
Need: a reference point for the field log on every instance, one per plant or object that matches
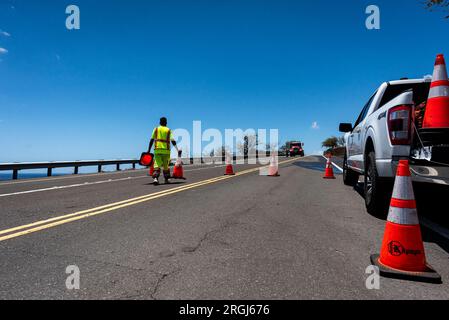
(134, 165)
(118, 167)
(99, 168)
(15, 174)
(49, 171)
(76, 170)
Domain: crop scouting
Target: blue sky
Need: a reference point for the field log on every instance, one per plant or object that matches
(97, 92)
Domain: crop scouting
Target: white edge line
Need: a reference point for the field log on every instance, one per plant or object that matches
(92, 183)
(74, 176)
(334, 164)
(89, 183)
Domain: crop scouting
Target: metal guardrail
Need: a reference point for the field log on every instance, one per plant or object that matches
(15, 167)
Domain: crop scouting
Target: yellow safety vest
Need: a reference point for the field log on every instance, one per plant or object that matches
(162, 137)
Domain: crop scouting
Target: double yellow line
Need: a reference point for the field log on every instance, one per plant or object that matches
(57, 221)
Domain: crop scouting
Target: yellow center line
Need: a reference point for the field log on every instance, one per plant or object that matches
(56, 221)
(92, 209)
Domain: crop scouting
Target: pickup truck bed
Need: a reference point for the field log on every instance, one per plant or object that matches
(389, 129)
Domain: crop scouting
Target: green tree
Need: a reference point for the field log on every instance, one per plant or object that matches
(330, 143)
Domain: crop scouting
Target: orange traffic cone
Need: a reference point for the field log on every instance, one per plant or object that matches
(402, 254)
(178, 171)
(329, 173)
(437, 108)
(229, 169)
(273, 169)
(151, 172)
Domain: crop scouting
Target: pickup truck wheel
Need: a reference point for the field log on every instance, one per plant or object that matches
(377, 190)
(350, 178)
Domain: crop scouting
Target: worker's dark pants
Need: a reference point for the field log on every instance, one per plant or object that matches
(157, 173)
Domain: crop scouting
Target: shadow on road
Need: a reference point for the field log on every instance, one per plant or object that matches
(359, 188)
(169, 184)
(431, 201)
(317, 166)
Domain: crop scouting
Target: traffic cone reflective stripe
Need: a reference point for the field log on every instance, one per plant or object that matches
(439, 89)
(402, 254)
(403, 216)
(403, 193)
(437, 108)
(403, 203)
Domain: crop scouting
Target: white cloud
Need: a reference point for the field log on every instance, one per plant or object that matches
(315, 125)
(5, 34)
(3, 50)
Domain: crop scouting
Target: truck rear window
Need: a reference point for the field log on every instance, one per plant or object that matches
(420, 92)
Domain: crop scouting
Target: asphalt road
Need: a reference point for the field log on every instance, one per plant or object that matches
(248, 236)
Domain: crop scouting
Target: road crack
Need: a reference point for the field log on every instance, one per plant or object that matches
(226, 225)
(159, 281)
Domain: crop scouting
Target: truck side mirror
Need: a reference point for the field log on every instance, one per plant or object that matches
(345, 127)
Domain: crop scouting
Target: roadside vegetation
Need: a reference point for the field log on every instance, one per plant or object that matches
(334, 145)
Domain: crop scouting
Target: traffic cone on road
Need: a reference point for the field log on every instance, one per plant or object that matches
(151, 172)
(329, 173)
(437, 108)
(402, 254)
(178, 171)
(273, 169)
(229, 169)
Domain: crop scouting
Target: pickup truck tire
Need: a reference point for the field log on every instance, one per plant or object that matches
(377, 190)
(350, 177)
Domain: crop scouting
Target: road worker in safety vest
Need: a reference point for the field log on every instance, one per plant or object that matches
(161, 138)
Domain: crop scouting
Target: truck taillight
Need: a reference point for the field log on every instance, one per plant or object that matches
(399, 124)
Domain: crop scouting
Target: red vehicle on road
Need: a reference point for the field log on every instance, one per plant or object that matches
(294, 148)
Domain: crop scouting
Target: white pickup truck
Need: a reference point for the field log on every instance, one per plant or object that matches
(389, 129)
